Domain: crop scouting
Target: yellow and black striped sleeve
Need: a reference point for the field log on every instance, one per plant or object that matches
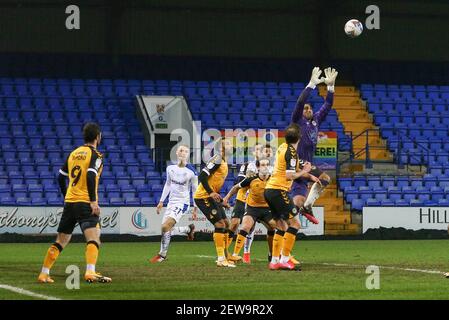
(95, 164)
(210, 168)
(290, 159)
(247, 181)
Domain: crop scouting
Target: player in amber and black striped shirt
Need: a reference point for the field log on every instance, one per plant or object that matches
(207, 198)
(286, 170)
(83, 168)
(257, 209)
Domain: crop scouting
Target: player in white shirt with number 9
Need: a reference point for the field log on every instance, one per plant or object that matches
(181, 180)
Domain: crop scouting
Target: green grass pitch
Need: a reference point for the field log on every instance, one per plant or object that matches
(331, 270)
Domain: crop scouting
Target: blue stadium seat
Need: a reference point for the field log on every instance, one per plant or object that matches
(359, 181)
(23, 200)
(132, 201)
(344, 182)
(7, 201)
(373, 203)
(387, 203)
(147, 201)
(380, 196)
(116, 201)
(358, 204)
(351, 196)
(401, 203)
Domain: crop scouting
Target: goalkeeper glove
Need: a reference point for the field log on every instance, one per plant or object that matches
(329, 79)
(315, 78)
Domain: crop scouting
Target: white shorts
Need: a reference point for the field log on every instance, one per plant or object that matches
(175, 211)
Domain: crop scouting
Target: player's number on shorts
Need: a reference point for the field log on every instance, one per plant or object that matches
(178, 210)
(76, 174)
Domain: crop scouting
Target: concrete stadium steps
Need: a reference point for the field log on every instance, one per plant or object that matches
(355, 118)
(337, 220)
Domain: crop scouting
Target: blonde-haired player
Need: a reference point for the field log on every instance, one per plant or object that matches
(181, 179)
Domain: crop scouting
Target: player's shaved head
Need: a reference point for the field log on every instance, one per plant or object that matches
(292, 133)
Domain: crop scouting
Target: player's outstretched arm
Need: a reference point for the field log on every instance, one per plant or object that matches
(292, 174)
(302, 99)
(231, 193)
(329, 80)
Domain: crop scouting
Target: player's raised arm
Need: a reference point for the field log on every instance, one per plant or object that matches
(62, 177)
(165, 193)
(329, 80)
(302, 99)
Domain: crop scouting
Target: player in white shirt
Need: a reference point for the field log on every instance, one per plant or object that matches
(181, 180)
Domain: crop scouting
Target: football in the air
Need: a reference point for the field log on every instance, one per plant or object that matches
(353, 28)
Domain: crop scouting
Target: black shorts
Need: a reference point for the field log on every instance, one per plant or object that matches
(239, 209)
(281, 205)
(213, 211)
(77, 213)
(259, 214)
(316, 172)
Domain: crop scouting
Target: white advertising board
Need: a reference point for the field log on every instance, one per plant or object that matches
(143, 221)
(412, 218)
(45, 220)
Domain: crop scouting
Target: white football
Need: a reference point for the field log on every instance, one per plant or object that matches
(353, 28)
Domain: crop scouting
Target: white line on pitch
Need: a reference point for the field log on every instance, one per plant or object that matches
(27, 293)
(356, 266)
(382, 267)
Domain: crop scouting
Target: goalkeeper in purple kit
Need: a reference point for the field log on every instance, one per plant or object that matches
(309, 123)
